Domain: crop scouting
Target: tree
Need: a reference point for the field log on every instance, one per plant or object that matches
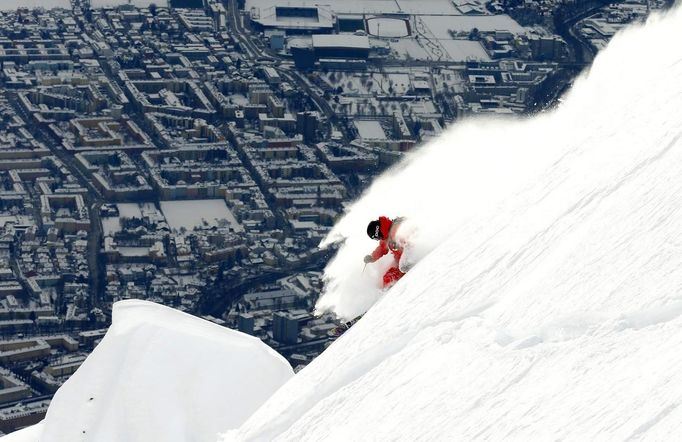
(152, 9)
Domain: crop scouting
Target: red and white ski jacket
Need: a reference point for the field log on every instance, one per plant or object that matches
(388, 229)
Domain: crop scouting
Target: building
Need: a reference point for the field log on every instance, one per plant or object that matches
(246, 323)
(22, 415)
(341, 46)
(329, 47)
(12, 389)
(307, 124)
(295, 17)
(284, 328)
(67, 213)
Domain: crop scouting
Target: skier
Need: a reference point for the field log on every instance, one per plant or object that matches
(384, 230)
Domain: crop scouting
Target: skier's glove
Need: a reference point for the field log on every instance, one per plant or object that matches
(368, 259)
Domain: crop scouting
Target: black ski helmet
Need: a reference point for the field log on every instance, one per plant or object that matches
(374, 229)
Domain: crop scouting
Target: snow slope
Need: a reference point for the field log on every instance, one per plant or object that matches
(471, 180)
(547, 301)
(162, 375)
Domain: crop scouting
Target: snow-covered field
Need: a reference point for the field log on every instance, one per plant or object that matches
(440, 25)
(370, 129)
(462, 50)
(388, 27)
(457, 50)
(181, 214)
(189, 214)
(130, 210)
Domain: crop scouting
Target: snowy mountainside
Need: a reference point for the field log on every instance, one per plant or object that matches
(160, 374)
(547, 298)
(469, 178)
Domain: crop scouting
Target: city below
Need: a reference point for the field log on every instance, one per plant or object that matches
(195, 153)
